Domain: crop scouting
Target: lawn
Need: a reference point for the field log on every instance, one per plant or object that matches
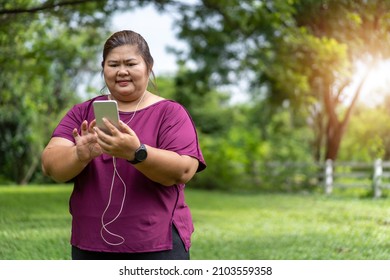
(35, 224)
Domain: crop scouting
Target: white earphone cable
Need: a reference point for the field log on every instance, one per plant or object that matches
(105, 224)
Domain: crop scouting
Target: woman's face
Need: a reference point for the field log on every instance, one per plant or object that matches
(125, 73)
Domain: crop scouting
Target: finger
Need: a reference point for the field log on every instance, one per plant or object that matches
(102, 143)
(100, 133)
(102, 137)
(110, 126)
(84, 128)
(75, 133)
(91, 126)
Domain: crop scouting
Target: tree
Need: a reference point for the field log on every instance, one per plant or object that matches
(363, 28)
(368, 138)
(302, 52)
(46, 49)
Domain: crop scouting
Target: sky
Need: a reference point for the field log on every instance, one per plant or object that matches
(157, 29)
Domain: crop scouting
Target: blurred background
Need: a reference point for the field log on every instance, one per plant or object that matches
(275, 88)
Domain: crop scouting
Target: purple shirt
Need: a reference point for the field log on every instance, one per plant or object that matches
(149, 208)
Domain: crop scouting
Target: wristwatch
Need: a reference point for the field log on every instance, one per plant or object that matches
(140, 155)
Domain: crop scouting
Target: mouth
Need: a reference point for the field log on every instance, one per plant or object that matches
(123, 83)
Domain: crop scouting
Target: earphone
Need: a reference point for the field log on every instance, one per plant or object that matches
(116, 173)
(104, 225)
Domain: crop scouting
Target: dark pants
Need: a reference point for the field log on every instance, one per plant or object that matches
(178, 252)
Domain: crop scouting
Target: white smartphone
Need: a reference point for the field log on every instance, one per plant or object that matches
(106, 109)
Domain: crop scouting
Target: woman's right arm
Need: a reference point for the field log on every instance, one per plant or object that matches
(62, 159)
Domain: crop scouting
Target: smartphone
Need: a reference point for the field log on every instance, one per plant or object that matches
(106, 109)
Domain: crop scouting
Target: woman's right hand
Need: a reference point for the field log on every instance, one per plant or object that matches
(87, 147)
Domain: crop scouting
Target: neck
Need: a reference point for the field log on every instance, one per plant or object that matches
(130, 106)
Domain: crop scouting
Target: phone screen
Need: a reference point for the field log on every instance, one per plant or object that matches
(106, 109)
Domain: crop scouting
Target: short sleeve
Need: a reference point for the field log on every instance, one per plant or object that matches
(178, 133)
(73, 119)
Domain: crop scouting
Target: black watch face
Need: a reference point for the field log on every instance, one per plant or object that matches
(141, 155)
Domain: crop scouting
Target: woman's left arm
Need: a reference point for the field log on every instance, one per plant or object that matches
(166, 167)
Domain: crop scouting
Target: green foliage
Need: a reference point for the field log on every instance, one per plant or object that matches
(367, 138)
(232, 160)
(46, 50)
(165, 87)
(297, 52)
(235, 154)
(362, 25)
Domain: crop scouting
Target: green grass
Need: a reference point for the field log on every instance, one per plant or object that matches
(35, 224)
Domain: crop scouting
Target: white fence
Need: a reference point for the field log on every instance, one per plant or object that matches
(330, 175)
(377, 179)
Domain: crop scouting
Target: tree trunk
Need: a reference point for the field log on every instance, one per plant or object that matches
(318, 135)
(335, 127)
(27, 177)
(334, 135)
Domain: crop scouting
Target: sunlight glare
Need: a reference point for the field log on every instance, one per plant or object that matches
(377, 85)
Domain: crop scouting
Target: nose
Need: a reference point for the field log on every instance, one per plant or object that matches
(122, 71)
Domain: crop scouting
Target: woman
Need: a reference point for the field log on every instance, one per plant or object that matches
(128, 196)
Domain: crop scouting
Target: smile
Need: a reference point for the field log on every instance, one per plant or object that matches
(123, 82)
